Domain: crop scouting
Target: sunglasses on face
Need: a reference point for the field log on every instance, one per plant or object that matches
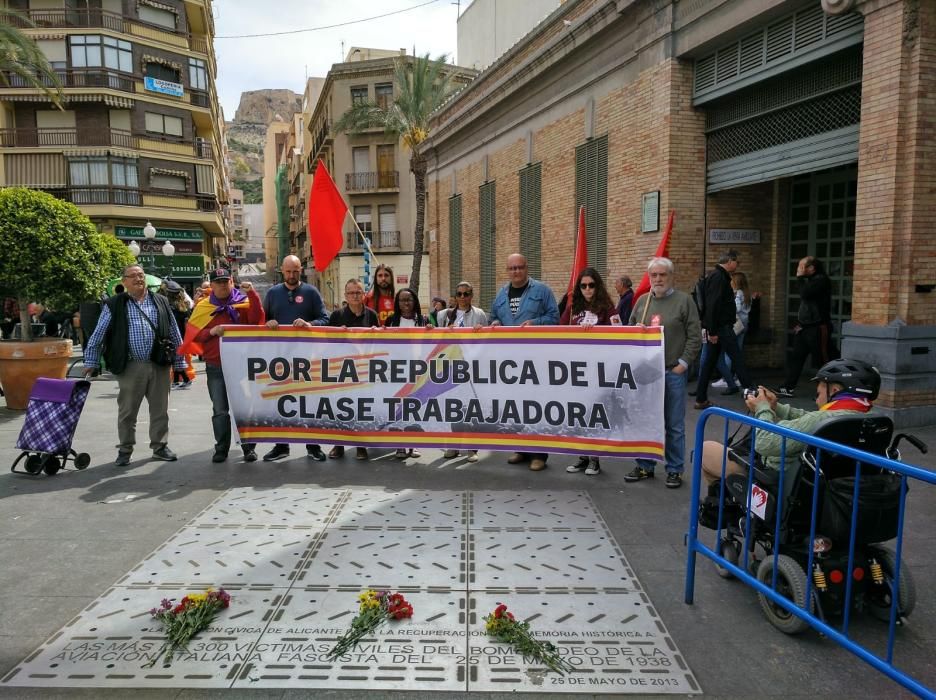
(463, 294)
(587, 285)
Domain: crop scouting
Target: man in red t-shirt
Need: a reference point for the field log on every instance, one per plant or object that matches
(380, 297)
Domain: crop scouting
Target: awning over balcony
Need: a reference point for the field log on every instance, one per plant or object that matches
(110, 100)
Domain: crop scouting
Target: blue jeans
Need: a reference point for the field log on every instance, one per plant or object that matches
(674, 417)
(724, 362)
(220, 411)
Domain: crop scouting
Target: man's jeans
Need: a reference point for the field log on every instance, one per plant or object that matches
(728, 344)
(220, 411)
(674, 415)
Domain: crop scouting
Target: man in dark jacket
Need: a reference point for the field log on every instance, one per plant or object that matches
(130, 328)
(813, 330)
(718, 316)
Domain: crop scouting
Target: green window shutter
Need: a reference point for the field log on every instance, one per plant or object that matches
(591, 192)
(455, 242)
(488, 241)
(531, 218)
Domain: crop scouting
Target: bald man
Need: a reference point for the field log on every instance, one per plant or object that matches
(524, 301)
(298, 304)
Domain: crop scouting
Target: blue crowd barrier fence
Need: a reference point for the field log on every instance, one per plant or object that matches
(740, 566)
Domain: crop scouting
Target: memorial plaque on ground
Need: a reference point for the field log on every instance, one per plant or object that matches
(295, 560)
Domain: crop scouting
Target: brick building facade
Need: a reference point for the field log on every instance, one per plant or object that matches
(808, 127)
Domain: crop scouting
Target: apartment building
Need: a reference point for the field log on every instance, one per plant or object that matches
(371, 170)
(140, 137)
(275, 246)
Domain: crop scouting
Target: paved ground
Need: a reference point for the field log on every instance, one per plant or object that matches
(68, 538)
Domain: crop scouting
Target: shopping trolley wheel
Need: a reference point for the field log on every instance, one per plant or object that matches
(51, 465)
(33, 464)
(82, 460)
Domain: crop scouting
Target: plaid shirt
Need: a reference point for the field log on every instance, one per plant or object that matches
(142, 334)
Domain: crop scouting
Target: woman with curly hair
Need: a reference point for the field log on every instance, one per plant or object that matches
(406, 313)
(591, 306)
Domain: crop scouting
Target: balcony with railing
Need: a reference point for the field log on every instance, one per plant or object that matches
(66, 137)
(135, 197)
(379, 240)
(323, 137)
(388, 180)
(95, 18)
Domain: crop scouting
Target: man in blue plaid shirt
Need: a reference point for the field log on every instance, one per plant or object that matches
(127, 330)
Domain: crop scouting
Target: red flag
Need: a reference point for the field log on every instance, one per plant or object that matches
(581, 256)
(327, 211)
(661, 252)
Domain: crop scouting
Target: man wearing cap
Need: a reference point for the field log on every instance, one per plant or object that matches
(132, 330)
(297, 304)
(224, 305)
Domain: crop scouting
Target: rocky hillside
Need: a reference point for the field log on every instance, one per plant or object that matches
(246, 134)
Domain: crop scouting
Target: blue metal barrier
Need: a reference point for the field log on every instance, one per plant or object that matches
(741, 571)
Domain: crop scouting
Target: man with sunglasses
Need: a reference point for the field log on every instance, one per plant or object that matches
(524, 301)
(297, 304)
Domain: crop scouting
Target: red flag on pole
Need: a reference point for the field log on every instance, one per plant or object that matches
(581, 256)
(661, 252)
(327, 211)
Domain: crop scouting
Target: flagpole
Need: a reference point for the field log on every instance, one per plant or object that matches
(364, 239)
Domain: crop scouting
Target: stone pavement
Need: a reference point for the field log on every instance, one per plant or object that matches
(68, 539)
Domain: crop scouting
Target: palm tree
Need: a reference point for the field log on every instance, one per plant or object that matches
(423, 84)
(22, 62)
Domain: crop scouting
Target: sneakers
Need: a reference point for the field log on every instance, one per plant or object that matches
(186, 385)
(784, 391)
(250, 456)
(720, 384)
(219, 456)
(593, 468)
(278, 452)
(579, 466)
(164, 454)
(638, 474)
(123, 459)
(450, 454)
(473, 457)
(673, 480)
(400, 454)
(315, 452)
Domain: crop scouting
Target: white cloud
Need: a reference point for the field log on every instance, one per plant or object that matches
(283, 61)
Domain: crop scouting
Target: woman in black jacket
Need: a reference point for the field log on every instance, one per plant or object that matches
(406, 313)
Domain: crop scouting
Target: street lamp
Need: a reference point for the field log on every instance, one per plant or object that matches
(168, 250)
(134, 248)
(149, 231)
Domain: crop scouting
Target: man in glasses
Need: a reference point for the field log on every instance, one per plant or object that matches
(298, 304)
(524, 301)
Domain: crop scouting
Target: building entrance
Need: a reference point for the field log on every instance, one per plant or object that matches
(822, 224)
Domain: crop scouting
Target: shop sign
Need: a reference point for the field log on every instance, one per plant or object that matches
(737, 236)
(402, 279)
(178, 265)
(151, 246)
(163, 87)
(162, 234)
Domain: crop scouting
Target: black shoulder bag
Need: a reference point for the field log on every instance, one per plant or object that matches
(164, 350)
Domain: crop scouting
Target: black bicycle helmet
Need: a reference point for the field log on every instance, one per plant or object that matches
(854, 375)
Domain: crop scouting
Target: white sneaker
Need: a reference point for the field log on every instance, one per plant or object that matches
(593, 468)
(473, 457)
(582, 465)
(720, 384)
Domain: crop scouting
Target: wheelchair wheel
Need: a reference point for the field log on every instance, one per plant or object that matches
(731, 550)
(791, 584)
(33, 464)
(51, 465)
(880, 597)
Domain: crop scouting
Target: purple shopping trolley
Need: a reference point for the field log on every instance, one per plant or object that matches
(51, 418)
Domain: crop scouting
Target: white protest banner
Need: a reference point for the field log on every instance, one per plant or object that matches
(596, 391)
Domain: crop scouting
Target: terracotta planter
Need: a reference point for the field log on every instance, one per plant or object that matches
(21, 364)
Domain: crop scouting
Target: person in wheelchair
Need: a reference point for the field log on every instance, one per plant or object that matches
(844, 388)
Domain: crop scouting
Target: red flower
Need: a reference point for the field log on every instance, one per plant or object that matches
(510, 616)
(405, 610)
(500, 610)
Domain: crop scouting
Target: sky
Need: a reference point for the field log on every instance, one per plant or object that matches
(284, 61)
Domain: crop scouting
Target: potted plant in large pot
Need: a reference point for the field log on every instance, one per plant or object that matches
(52, 254)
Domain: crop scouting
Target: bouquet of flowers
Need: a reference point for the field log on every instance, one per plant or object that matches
(502, 625)
(376, 607)
(183, 621)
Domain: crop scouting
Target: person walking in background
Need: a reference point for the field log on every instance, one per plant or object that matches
(625, 289)
(181, 379)
(354, 314)
(438, 304)
(380, 299)
(139, 338)
(524, 301)
(406, 314)
(676, 312)
(718, 319)
(297, 304)
(812, 334)
(742, 292)
(591, 306)
(225, 305)
(464, 315)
